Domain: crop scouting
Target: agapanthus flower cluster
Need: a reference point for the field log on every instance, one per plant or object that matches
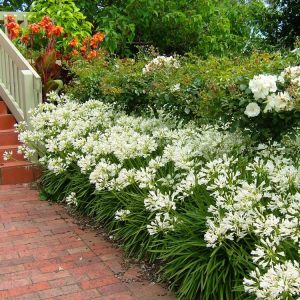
(71, 199)
(274, 93)
(281, 281)
(122, 214)
(7, 155)
(260, 199)
(163, 163)
(168, 62)
(117, 151)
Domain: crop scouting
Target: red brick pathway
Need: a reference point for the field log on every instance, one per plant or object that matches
(44, 255)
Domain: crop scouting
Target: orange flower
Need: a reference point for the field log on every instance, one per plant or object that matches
(83, 49)
(99, 37)
(56, 30)
(45, 21)
(92, 54)
(14, 33)
(10, 19)
(25, 38)
(75, 52)
(12, 25)
(13, 30)
(96, 40)
(74, 43)
(34, 28)
(94, 44)
(49, 30)
(47, 24)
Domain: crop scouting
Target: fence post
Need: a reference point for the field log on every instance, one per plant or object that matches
(28, 97)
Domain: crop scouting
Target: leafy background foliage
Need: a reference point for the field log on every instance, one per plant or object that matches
(179, 26)
(282, 22)
(64, 13)
(204, 27)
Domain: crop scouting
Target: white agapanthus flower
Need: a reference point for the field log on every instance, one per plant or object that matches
(122, 214)
(281, 281)
(71, 199)
(252, 110)
(103, 173)
(156, 201)
(7, 155)
(162, 223)
(57, 165)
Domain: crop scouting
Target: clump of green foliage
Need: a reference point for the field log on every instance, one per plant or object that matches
(281, 22)
(205, 27)
(64, 13)
(199, 89)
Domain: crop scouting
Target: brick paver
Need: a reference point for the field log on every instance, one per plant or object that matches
(45, 255)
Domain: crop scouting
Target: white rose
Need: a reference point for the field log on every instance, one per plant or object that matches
(252, 110)
(262, 85)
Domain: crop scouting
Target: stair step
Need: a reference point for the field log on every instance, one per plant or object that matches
(18, 172)
(7, 122)
(3, 108)
(15, 155)
(8, 137)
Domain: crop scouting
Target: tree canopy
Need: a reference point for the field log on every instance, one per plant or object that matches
(282, 22)
(201, 26)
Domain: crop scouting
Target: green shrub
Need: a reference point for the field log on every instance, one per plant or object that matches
(202, 90)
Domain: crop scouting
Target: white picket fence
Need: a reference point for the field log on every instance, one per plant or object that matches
(20, 85)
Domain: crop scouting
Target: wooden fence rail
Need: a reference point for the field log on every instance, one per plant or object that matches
(20, 85)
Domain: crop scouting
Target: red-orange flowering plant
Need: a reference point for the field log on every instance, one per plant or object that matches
(50, 49)
(13, 28)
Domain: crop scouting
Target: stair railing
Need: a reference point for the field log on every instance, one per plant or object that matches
(20, 85)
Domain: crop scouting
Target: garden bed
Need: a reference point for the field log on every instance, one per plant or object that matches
(219, 209)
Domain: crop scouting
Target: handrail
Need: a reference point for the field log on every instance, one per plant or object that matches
(20, 84)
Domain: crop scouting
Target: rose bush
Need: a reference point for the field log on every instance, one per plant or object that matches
(194, 89)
